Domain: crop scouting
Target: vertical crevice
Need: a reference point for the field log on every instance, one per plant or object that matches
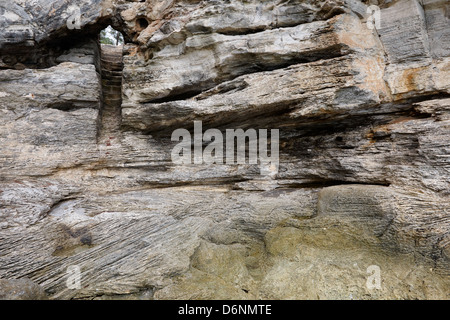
(111, 83)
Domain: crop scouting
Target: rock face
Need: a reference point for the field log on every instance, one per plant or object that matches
(22, 289)
(93, 207)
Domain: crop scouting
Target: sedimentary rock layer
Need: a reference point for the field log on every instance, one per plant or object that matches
(87, 183)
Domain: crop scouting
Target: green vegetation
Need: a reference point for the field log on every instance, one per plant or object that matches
(111, 36)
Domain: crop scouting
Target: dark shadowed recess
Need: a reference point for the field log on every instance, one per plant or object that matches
(45, 53)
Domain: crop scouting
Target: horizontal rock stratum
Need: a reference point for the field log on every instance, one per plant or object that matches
(93, 207)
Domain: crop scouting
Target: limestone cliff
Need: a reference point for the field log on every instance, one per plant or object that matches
(360, 93)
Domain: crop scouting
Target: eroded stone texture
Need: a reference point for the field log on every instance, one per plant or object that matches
(23, 289)
(363, 178)
(57, 108)
(418, 65)
(36, 32)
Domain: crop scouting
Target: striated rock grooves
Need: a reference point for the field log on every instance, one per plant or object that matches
(86, 177)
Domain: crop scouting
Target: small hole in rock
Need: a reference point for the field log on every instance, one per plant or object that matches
(141, 23)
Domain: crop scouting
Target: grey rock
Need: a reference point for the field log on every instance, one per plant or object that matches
(417, 64)
(87, 181)
(28, 23)
(21, 289)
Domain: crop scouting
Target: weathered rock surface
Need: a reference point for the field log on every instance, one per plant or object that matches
(22, 289)
(87, 181)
